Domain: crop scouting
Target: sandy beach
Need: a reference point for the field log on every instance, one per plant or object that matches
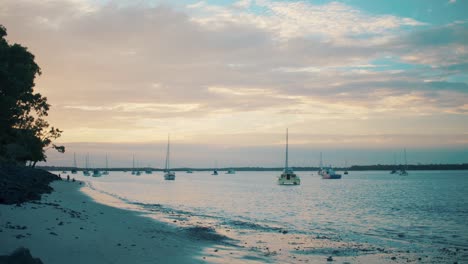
(68, 227)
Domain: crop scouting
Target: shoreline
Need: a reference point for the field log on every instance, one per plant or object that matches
(66, 226)
(77, 223)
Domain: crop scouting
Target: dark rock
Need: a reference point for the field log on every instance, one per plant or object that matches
(20, 256)
(330, 258)
(19, 184)
(284, 232)
(393, 258)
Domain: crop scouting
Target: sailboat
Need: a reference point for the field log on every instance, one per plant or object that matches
(74, 170)
(394, 170)
(106, 172)
(346, 168)
(96, 173)
(321, 170)
(403, 171)
(137, 172)
(230, 171)
(133, 166)
(86, 171)
(215, 171)
(148, 170)
(168, 174)
(288, 177)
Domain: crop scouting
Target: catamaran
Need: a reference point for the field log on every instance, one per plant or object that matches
(288, 177)
(168, 174)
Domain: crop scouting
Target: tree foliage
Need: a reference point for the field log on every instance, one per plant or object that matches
(25, 135)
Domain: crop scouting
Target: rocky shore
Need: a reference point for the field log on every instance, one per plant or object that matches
(19, 184)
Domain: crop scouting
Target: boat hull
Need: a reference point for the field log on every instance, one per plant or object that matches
(331, 177)
(170, 176)
(289, 179)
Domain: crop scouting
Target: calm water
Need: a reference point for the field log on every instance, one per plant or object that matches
(422, 212)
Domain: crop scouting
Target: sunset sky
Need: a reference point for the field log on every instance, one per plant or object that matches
(358, 80)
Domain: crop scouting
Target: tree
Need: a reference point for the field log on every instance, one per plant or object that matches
(24, 133)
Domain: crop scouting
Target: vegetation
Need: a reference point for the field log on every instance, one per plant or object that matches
(24, 133)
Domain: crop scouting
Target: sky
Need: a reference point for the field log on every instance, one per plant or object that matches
(358, 80)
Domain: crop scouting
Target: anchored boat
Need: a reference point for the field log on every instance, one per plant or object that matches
(168, 174)
(288, 177)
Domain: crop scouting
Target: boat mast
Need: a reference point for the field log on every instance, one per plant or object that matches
(106, 163)
(321, 161)
(286, 163)
(133, 168)
(74, 159)
(167, 153)
(406, 162)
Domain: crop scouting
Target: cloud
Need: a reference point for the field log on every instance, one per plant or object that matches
(285, 20)
(133, 72)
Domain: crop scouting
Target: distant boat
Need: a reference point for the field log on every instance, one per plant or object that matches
(86, 171)
(133, 166)
(394, 170)
(106, 172)
(288, 177)
(215, 171)
(321, 170)
(346, 166)
(148, 170)
(329, 173)
(230, 171)
(97, 173)
(74, 170)
(403, 171)
(168, 174)
(189, 171)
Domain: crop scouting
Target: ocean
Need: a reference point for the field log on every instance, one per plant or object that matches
(365, 216)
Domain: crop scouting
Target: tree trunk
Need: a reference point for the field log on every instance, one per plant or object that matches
(34, 164)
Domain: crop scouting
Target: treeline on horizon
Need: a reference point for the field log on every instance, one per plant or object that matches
(378, 167)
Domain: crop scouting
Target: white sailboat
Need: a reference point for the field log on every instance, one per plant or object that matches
(168, 174)
(288, 177)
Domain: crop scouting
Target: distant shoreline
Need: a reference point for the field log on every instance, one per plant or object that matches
(378, 167)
